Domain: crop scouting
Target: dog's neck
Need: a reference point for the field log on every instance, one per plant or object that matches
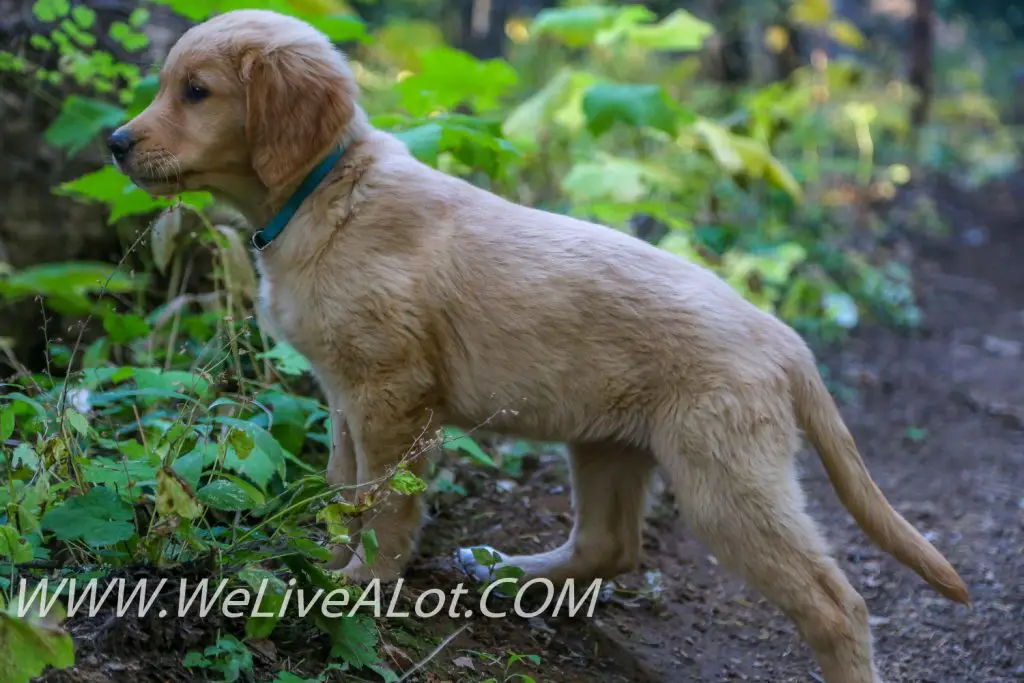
(259, 203)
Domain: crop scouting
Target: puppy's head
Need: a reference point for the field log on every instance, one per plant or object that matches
(246, 99)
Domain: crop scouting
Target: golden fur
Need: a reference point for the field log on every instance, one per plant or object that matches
(421, 300)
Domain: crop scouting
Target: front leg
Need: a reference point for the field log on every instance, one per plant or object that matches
(341, 468)
(389, 429)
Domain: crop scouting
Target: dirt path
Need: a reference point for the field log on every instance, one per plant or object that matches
(939, 416)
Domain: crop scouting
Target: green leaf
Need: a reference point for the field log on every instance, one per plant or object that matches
(51, 10)
(80, 120)
(66, 284)
(174, 496)
(645, 105)
(449, 77)
(83, 16)
(271, 602)
(405, 482)
(354, 641)
(241, 442)
(6, 423)
(224, 494)
(126, 327)
(287, 360)
(607, 178)
(78, 422)
(574, 26)
(25, 456)
(370, 546)
(29, 645)
(99, 519)
(115, 189)
(340, 28)
(678, 31)
(457, 439)
(553, 104)
(13, 546)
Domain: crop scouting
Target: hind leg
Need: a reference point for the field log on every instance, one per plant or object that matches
(747, 507)
(609, 483)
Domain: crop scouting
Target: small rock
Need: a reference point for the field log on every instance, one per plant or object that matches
(1006, 348)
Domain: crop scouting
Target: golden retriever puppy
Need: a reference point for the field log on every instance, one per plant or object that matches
(421, 300)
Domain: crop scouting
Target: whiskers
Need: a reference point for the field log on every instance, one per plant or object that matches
(160, 166)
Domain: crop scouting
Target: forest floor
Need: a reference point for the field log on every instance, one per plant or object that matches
(938, 413)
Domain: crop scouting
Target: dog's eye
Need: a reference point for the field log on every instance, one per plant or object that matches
(195, 92)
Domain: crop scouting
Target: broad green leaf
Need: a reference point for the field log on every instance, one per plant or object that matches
(476, 143)
(574, 26)
(340, 29)
(25, 456)
(354, 641)
(458, 440)
(174, 496)
(125, 327)
(526, 123)
(31, 644)
(678, 31)
(99, 519)
(65, 285)
(224, 494)
(80, 120)
(645, 105)
(617, 179)
(13, 546)
(449, 77)
(111, 187)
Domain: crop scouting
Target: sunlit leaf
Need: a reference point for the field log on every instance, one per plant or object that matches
(678, 31)
(13, 546)
(110, 186)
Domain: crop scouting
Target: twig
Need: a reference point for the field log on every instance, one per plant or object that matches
(435, 652)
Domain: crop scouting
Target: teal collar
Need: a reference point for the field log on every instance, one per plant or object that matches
(261, 239)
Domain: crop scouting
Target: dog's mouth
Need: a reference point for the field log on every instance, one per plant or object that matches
(157, 175)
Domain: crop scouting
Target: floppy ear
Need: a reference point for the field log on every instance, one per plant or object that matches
(297, 106)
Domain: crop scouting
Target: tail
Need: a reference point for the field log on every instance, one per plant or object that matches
(819, 417)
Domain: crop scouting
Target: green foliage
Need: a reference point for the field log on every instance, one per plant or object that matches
(29, 644)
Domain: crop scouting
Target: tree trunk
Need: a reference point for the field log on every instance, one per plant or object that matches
(921, 58)
(483, 27)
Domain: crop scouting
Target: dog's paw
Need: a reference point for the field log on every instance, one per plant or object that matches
(479, 562)
(358, 572)
(341, 555)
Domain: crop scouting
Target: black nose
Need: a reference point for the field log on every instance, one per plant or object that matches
(121, 143)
